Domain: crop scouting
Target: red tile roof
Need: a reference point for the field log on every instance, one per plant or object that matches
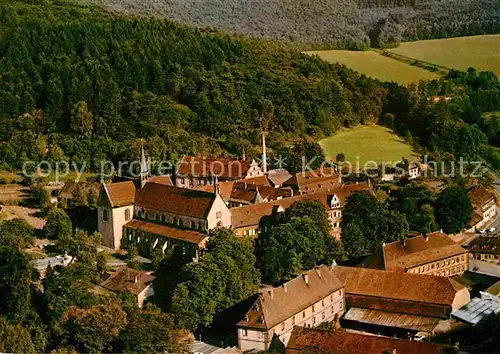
(399, 286)
(480, 196)
(180, 201)
(343, 342)
(252, 214)
(121, 193)
(212, 166)
(325, 179)
(127, 279)
(401, 255)
(165, 179)
(189, 236)
(274, 305)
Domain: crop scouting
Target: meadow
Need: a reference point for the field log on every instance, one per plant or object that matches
(369, 143)
(480, 52)
(376, 65)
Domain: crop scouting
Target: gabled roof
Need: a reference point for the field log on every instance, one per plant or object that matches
(398, 286)
(121, 193)
(414, 251)
(274, 305)
(485, 244)
(245, 192)
(479, 196)
(212, 166)
(163, 179)
(258, 180)
(225, 189)
(127, 279)
(249, 215)
(176, 200)
(314, 181)
(342, 342)
(189, 236)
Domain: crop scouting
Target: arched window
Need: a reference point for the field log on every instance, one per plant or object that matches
(127, 214)
(105, 214)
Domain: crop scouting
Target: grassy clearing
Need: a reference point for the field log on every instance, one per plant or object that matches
(480, 52)
(376, 65)
(370, 143)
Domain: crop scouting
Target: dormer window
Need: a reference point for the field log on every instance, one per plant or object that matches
(255, 308)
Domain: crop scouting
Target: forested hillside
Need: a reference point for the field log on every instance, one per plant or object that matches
(351, 24)
(79, 83)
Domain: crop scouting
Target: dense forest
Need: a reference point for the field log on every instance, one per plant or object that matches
(82, 84)
(352, 24)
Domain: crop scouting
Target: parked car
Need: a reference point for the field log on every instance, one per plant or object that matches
(420, 336)
(491, 229)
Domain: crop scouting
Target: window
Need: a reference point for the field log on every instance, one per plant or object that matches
(340, 292)
(293, 320)
(322, 303)
(218, 215)
(303, 314)
(282, 326)
(314, 319)
(244, 333)
(341, 305)
(105, 214)
(331, 298)
(313, 308)
(127, 214)
(331, 309)
(193, 225)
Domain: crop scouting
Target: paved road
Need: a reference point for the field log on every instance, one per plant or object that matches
(484, 267)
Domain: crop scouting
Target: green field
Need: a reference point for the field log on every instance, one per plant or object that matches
(480, 52)
(376, 65)
(370, 143)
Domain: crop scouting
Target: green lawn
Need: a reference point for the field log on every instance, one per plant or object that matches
(480, 52)
(370, 143)
(376, 65)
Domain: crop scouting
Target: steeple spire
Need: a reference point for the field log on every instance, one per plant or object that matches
(144, 167)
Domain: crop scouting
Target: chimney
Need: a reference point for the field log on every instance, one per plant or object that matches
(271, 294)
(318, 272)
(284, 288)
(334, 264)
(216, 185)
(404, 243)
(426, 237)
(306, 278)
(136, 279)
